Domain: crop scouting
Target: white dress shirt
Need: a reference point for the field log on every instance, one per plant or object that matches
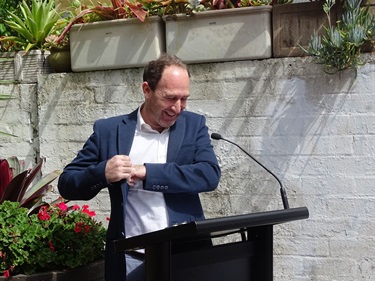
(146, 210)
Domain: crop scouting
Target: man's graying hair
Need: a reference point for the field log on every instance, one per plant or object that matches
(154, 69)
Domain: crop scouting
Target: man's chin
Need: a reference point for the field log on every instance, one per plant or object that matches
(168, 124)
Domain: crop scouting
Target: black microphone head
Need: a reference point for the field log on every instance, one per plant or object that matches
(216, 136)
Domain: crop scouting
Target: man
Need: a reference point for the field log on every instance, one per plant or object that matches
(154, 162)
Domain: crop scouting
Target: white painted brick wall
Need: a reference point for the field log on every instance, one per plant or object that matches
(17, 117)
(315, 131)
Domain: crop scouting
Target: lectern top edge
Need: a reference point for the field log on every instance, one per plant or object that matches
(211, 227)
(251, 220)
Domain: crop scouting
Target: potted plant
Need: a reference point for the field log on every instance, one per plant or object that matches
(59, 57)
(293, 24)
(16, 183)
(221, 30)
(7, 52)
(31, 27)
(41, 240)
(111, 37)
(340, 47)
(55, 240)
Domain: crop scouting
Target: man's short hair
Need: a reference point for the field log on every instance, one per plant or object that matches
(154, 69)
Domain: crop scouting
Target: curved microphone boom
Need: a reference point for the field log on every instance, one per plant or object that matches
(284, 198)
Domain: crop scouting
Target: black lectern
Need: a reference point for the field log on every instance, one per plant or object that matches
(171, 255)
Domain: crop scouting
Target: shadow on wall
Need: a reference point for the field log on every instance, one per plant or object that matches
(282, 126)
(301, 118)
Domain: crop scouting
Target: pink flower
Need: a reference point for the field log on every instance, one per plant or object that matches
(85, 209)
(75, 207)
(62, 206)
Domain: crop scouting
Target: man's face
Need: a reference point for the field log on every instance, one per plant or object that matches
(163, 106)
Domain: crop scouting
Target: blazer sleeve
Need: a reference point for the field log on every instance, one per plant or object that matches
(84, 177)
(195, 168)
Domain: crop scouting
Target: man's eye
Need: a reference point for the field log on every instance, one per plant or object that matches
(175, 99)
(171, 98)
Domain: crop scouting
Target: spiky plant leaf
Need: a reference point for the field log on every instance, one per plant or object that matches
(40, 188)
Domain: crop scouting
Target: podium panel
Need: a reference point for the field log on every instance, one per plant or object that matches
(185, 252)
(241, 261)
(223, 262)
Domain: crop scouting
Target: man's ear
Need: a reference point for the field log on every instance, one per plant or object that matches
(146, 89)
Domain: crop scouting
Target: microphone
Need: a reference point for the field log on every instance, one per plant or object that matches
(284, 198)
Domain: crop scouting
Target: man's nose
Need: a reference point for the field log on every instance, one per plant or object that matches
(177, 106)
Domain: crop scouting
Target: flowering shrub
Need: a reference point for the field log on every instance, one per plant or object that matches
(58, 237)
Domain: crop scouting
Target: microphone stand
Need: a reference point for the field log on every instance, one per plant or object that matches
(282, 189)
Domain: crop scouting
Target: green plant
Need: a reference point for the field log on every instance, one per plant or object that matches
(52, 41)
(58, 237)
(7, 6)
(17, 184)
(340, 48)
(191, 7)
(120, 9)
(33, 25)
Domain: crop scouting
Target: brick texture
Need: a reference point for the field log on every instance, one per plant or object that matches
(315, 131)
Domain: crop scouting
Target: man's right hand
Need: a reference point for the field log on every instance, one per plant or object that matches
(119, 167)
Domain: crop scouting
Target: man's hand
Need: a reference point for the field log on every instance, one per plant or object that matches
(119, 167)
(138, 173)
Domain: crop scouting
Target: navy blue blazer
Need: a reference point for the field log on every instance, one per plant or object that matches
(191, 168)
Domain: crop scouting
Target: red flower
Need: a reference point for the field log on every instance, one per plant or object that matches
(6, 273)
(62, 206)
(43, 215)
(85, 209)
(75, 207)
(87, 229)
(79, 227)
(51, 247)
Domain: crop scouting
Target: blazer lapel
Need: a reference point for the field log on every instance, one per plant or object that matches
(126, 131)
(176, 137)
